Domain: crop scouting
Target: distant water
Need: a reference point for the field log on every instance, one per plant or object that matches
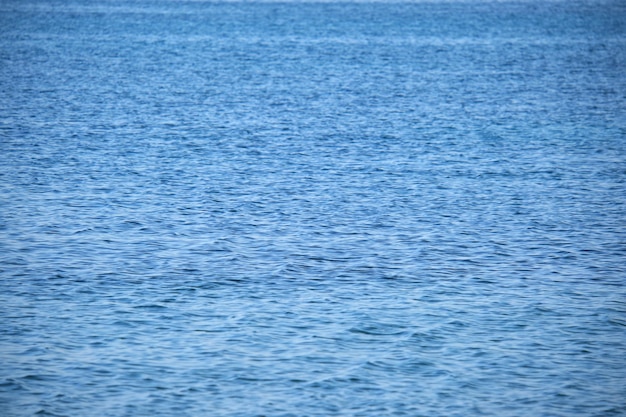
(312, 208)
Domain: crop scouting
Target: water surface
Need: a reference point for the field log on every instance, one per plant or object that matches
(312, 208)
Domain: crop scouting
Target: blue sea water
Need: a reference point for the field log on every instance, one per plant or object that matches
(334, 208)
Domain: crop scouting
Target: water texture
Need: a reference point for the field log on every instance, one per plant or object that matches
(312, 208)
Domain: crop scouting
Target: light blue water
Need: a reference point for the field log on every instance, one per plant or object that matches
(312, 209)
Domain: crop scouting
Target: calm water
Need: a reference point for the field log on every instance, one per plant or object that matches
(312, 209)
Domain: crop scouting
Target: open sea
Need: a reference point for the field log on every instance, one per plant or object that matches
(313, 208)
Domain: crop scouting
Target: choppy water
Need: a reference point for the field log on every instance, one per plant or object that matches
(312, 209)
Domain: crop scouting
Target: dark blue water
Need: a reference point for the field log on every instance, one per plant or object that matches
(312, 208)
